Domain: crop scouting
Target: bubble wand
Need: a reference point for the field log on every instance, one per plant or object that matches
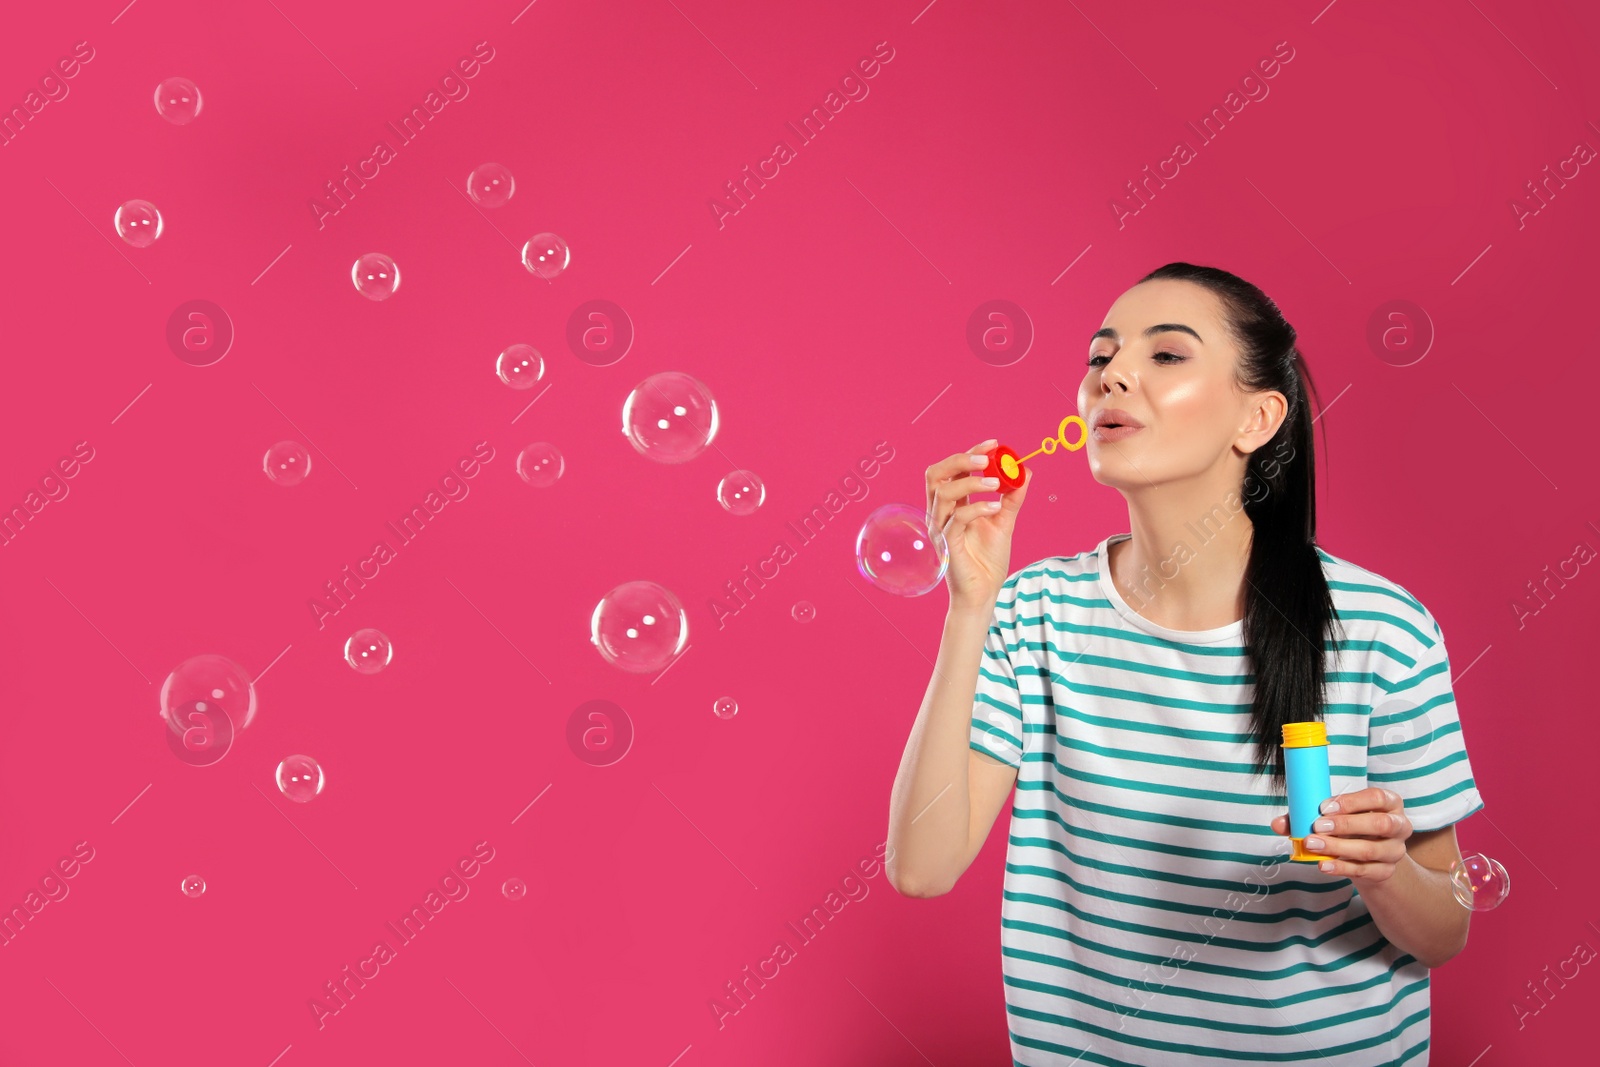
(1007, 466)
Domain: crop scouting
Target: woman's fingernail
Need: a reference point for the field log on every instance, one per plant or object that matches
(1329, 807)
(1313, 842)
(1325, 825)
(979, 461)
(992, 505)
(989, 483)
(1326, 865)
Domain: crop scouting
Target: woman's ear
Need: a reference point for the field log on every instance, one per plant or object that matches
(1265, 415)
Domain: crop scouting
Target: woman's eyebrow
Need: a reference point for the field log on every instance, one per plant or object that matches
(1106, 331)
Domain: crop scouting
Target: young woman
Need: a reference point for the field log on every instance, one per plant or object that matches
(1134, 697)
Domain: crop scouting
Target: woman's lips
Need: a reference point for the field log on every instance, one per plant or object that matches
(1114, 433)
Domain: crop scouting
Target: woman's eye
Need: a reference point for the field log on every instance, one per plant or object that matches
(1170, 357)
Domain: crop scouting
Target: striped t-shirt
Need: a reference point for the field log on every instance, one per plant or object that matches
(1150, 914)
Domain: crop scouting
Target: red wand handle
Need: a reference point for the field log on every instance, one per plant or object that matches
(1007, 467)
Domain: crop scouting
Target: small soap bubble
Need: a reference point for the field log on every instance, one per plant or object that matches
(520, 366)
(178, 101)
(376, 276)
(541, 464)
(1479, 882)
(216, 681)
(491, 185)
(138, 223)
(287, 463)
(725, 707)
(639, 627)
(804, 611)
(741, 492)
(546, 255)
(300, 778)
(514, 889)
(896, 553)
(193, 886)
(670, 417)
(368, 651)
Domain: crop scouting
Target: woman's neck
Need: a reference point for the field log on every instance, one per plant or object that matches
(1184, 566)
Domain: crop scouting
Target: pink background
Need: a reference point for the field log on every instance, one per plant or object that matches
(826, 316)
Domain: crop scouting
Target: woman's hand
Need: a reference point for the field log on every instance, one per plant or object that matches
(1363, 834)
(978, 535)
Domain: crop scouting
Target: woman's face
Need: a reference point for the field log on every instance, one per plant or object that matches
(1179, 383)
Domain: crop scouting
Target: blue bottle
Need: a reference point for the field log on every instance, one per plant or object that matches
(1305, 759)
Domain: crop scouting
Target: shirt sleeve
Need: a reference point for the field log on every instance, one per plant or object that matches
(997, 720)
(1415, 745)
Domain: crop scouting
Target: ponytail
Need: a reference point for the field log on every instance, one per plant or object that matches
(1288, 606)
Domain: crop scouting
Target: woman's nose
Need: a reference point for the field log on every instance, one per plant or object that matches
(1111, 375)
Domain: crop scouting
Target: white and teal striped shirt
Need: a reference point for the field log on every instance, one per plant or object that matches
(1150, 915)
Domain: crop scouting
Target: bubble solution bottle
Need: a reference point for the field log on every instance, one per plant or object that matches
(1306, 774)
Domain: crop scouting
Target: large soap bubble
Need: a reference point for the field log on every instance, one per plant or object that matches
(1479, 882)
(896, 552)
(670, 417)
(639, 627)
(204, 686)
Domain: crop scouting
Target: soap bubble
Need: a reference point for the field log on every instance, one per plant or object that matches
(1479, 882)
(514, 889)
(368, 651)
(804, 611)
(670, 417)
(287, 463)
(491, 185)
(300, 778)
(192, 886)
(741, 492)
(138, 223)
(541, 464)
(178, 101)
(376, 276)
(520, 366)
(639, 627)
(546, 255)
(725, 707)
(216, 681)
(896, 553)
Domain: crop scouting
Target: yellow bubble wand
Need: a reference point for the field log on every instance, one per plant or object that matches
(1007, 466)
